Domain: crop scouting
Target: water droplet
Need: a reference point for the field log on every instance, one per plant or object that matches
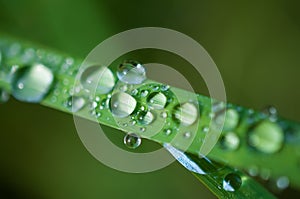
(75, 103)
(168, 131)
(4, 96)
(165, 87)
(97, 78)
(32, 83)
(186, 113)
(157, 100)
(229, 119)
(271, 111)
(144, 93)
(164, 114)
(266, 137)
(131, 72)
(132, 141)
(265, 174)
(187, 135)
(144, 117)
(230, 141)
(142, 129)
(232, 182)
(253, 171)
(205, 129)
(122, 104)
(282, 182)
(134, 92)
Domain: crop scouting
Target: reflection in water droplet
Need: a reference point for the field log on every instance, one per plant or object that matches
(266, 137)
(186, 113)
(230, 141)
(4, 96)
(32, 83)
(132, 141)
(232, 182)
(157, 100)
(75, 103)
(144, 117)
(122, 104)
(131, 72)
(97, 78)
(282, 182)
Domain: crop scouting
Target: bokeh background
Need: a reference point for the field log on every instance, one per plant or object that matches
(255, 44)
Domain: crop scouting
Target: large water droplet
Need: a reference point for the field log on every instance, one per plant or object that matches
(131, 72)
(267, 137)
(75, 103)
(232, 182)
(186, 113)
(132, 141)
(282, 182)
(98, 77)
(4, 96)
(145, 117)
(229, 119)
(31, 84)
(157, 100)
(122, 104)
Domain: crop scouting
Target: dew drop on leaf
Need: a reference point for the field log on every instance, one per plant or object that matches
(32, 83)
(131, 72)
(132, 141)
(232, 182)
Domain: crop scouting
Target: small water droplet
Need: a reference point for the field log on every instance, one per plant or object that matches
(98, 78)
(134, 92)
(186, 113)
(132, 141)
(265, 174)
(230, 141)
(164, 114)
(131, 72)
(168, 131)
(145, 117)
(232, 182)
(228, 118)
(122, 104)
(157, 100)
(253, 171)
(282, 182)
(32, 83)
(205, 129)
(4, 96)
(144, 93)
(165, 87)
(142, 129)
(187, 135)
(266, 137)
(75, 103)
(271, 111)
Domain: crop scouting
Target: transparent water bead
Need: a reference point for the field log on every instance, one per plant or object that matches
(132, 141)
(282, 182)
(228, 118)
(230, 141)
(32, 83)
(122, 104)
(4, 96)
(157, 100)
(186, 113)
(232, 182)
(145, 118)
(266, 137)
(75, 103)
(131, 72)
(98, 77)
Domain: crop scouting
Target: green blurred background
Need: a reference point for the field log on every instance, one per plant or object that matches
(255, 45)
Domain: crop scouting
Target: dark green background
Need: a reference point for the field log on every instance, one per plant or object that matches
(255, 44)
